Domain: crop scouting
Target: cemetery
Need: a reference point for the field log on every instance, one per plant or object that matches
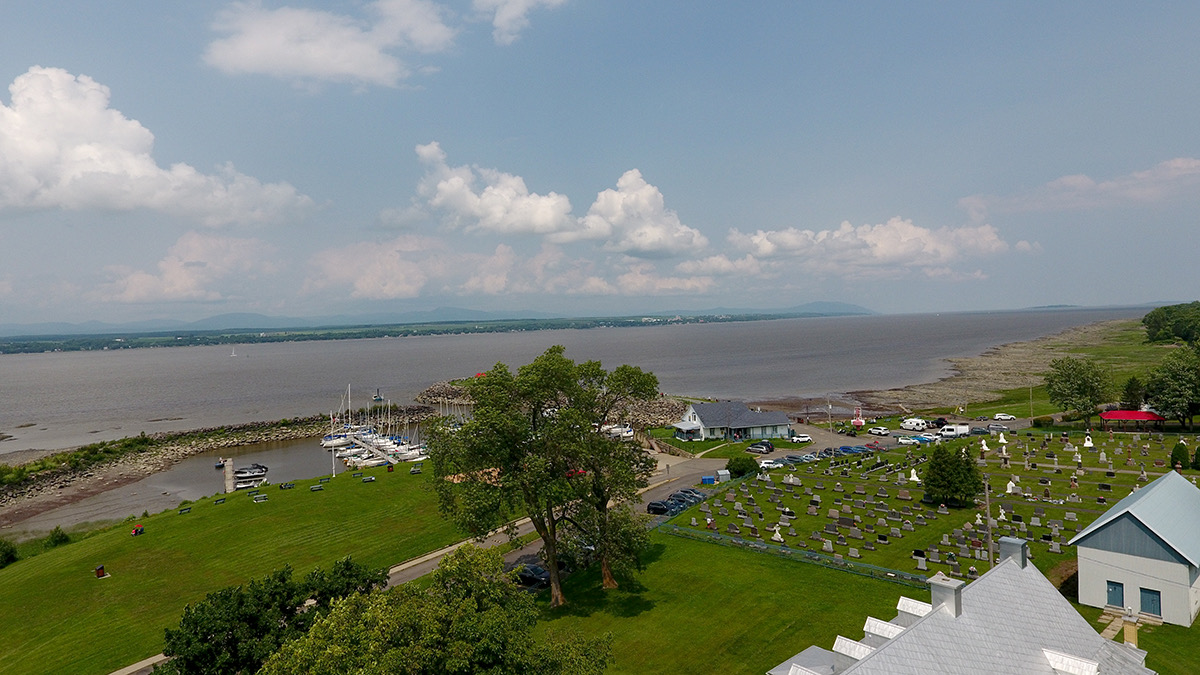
(859, 510)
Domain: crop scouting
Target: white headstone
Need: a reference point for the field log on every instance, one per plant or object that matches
(1087, 441)
(978, 518)
(1011, 487)
(983, 445)
(913, 476)
(1003, 440)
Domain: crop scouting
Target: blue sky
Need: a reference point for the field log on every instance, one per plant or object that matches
(179, 160)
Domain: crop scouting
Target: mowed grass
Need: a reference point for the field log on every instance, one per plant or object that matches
(58, 617)
(700, 607)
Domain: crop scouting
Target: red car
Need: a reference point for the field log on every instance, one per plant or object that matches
(876, 446)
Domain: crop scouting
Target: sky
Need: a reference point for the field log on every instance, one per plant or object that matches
(163, 160)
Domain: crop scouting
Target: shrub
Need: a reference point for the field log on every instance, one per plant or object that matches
(741, 466)
(57, 538)
(1044, 421)
(8, 553)
(1196, 460)
(1179, 455)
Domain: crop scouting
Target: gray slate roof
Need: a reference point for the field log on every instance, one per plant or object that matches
(735, 415)
(1009, 615)
(1169, 507)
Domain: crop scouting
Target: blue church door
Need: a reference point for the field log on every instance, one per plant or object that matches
(1151, 602)
(1116, 594)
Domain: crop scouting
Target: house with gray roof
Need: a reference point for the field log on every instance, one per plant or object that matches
(1144, 552)
(730, 420)
(1010, 621)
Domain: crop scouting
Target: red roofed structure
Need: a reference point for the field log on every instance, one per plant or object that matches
(1138, 417)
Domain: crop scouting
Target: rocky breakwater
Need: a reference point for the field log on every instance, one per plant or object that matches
(445, 393)
(68, 480)
(659, 412)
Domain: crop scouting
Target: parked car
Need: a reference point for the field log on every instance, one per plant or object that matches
(770, 464)
(926, 438)
(759, 449)
(980, 431)
(802, 438)
(914, 424)
(766, 444)
(907, 440)
(875, 445)
(533, 576)
(997, 427)
(695, 493)
(794, 459)
(879, 431)
(659, 508)
(940, 422)
(1004, 417)
(685, 498)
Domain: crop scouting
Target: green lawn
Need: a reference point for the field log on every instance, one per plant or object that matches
(60, 618)
(705, 608)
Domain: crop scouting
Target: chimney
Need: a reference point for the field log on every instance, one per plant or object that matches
(1017, 549)
(946, 592)
(1131, 628)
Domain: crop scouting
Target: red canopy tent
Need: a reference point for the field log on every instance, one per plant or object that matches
(1138, 417)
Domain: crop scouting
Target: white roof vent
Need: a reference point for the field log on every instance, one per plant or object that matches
(883, 629)
(852, 648)
(910, 606)
(1072, 665)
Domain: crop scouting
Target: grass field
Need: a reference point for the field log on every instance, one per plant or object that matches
(59, 618)
(711, 609)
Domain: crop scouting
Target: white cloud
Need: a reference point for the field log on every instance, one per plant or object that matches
(638, 223)
(722, 265)
(510, 17)
(313, 45)
(1179, 177)
(503, 204)
(399, 268)
(191, 269)
(888, 249)
(62, 146)
(643, 279)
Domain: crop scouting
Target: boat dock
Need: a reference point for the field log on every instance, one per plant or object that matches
(229, 481)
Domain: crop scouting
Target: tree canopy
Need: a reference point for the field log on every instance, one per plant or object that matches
(1174, 386)
(1078, 384)
(1173, 323)
(471, 618)
(535, 446)
(951, 476)
(235, 629)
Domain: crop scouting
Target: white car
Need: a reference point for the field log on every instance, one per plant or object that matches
(802, 438)
(770, 464)
(879, 431)
(1003, 417)
(907, 440)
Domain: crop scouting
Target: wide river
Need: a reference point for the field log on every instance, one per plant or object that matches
(60, 400)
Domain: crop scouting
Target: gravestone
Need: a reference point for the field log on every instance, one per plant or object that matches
(827, 546)
(733, 529)
(895, 533)
(723, 511)
(853, 553)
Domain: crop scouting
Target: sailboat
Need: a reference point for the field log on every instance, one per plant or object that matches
(234, 352)
(377, 398)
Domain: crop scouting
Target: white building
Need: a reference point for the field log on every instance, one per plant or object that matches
(1010, 621)
(730, 420)
(1144, 552)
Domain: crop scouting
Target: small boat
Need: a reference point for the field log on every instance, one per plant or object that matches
(234, 353)
(252, 471)
(220, 463)
(249, 483)
(377, 398)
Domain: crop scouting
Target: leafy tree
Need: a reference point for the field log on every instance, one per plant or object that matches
(951, 476)
(1179, 455)
(1173, 322)
(8, 553)
(1174, 386)
(1133, 394)
(741, 466)
(1196, 459)
(533, 447)
(1078, 384)
(236, 629)
(472, 618)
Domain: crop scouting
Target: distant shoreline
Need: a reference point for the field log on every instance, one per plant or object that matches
(976, 379)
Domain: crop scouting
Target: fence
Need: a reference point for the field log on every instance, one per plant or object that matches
(801, 554)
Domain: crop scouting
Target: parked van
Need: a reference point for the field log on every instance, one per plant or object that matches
(914, 424)
(955, 430)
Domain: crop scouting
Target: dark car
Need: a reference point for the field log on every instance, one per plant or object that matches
(695, 493)
(940, 422)
(659, 508)
(979, 431)
(794, 459)
(686, 496)
(533, 576)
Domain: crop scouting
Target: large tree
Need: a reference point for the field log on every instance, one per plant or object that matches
(951, 476)
(533, 446)
(1078, 384)
(470, 619)
(1174, 386)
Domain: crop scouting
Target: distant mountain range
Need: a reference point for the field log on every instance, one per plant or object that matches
(250, 321)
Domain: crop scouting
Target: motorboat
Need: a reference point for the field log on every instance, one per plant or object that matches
(252, 471)
(247, 483)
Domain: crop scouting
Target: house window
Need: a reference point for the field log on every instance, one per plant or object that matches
(1116, 594)
(1151, 602)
